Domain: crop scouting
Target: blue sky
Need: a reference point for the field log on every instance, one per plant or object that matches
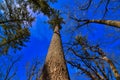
(41, 35)
(38, 45)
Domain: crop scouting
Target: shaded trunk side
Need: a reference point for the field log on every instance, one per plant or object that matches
(55, 65)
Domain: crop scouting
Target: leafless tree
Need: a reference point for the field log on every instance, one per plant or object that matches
(92, 61)
(33, 69)
(8, 67)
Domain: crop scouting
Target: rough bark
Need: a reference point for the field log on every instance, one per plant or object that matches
(55, 65)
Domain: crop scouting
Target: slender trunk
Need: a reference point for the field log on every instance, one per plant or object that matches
(55, 65)
(113, 23)
(88, 73)
(110, 62)
(107, 22)
(113, 68)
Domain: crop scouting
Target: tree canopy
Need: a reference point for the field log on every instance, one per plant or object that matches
(16, 19)
(14, 23)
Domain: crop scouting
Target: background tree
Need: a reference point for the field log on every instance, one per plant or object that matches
(9, 70)
(16, 19)
(14, 24)
(41, 6)
(92, 61)
(81, 15)
(34, 69)
(93, 19)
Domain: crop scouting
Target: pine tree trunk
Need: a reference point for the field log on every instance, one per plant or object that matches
(55, 65)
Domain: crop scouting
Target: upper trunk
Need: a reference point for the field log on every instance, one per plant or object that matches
(55, 65)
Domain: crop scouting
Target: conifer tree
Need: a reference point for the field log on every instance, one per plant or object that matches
(55, 64)
(15, 20)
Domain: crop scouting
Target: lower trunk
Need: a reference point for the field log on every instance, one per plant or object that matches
(55, 65)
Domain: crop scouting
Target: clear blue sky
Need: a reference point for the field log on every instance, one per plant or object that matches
(41, 35)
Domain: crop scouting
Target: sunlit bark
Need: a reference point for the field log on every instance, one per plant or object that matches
(106, 22)
(55, 65)
(113, 23)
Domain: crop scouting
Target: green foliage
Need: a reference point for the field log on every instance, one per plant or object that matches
(55, 19)
(41, 6)
(15, 20)
(15, 41)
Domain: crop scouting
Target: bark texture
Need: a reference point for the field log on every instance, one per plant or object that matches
(55, 65)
